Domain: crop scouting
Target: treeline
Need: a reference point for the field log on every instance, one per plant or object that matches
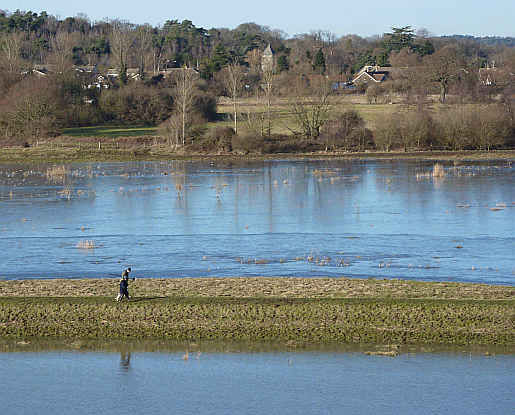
(173, 75)
(31, 38)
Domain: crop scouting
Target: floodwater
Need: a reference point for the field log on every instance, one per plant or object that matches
(251, 378)
(293, 218)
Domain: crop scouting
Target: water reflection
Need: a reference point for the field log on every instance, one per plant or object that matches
(381, 218)
(252, 378)
(125, 360)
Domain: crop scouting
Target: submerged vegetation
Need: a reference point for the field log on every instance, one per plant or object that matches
(297, 310)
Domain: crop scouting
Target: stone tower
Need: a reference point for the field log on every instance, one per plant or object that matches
(268, 59)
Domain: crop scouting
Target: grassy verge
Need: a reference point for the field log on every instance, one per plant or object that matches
(105, 149)
(112, 132)
(295, 310)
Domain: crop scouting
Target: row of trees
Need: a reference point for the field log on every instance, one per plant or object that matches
(317, 120)
(33, 38)
(228, 63)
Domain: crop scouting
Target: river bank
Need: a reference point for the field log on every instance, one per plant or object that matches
(295, 310)
(125, 149)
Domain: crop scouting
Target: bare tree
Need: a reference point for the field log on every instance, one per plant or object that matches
(62, 45)
(120, 41)
(444, 69)
(11, 45)
(144, 46)
(253, 58)
(270, 87)
(184, 97)
(312, 107)
(233, 80)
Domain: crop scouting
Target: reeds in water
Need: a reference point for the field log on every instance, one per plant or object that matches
(58, 172)
(438, 171)
(85, 244)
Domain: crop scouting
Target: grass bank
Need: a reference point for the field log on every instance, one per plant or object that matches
(148, 148)
(295, 310)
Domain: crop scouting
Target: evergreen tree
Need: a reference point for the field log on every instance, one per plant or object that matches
(282, 64)
(319, 65)
(123, 74)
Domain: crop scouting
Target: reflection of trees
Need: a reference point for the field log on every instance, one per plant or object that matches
(179, 177)
(125, 360)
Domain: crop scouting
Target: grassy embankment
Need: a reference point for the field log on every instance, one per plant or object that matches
(294, 310)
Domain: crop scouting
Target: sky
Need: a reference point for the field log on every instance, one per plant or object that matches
(366, 18)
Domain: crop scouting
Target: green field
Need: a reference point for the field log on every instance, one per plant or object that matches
(112, 132)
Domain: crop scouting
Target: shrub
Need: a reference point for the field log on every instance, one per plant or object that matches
(171, 130)
(248, 143)
(218, 139)
(453, 128)
(346, 131)
(493, 128)
(374, 92)
(31, 109)
(84, 115)
(386, 132)
(290, 144)
(476, 127)
(414, 129)
(136, 104)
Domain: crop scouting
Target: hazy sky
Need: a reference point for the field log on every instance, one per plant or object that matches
(365, 18)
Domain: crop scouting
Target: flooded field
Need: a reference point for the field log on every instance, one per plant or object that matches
(304, 218)
(309, 218)
(251, 378)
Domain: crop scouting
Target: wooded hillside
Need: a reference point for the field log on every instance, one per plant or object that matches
(452, 92)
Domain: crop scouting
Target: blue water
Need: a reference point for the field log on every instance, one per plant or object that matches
(358, 218)
(261, 381)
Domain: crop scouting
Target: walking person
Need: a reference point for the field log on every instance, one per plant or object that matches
(124, 286)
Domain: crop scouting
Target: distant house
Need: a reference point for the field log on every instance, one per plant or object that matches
(87, 69)
(492, 76)
(268, 59)
(173, 72)
(42, 69)
(113, 72)
(372, 75)
(133, 73)
(339, 82)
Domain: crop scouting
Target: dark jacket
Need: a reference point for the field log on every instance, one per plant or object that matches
(124, 287)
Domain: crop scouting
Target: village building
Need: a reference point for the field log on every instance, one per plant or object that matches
(268, 59)
(492, 76)
(372, 75)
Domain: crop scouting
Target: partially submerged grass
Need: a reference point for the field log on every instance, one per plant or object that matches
(313, 310)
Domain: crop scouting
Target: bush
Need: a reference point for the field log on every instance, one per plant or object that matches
(386, 132)
(374, 92)
(135, 104)
(205, 105)
(31, 109)
(493, 128)
(171, 130)
(248, 143)
(346, 131)
(285, 144)
(218, 139)
(453, 128)
(414, 129)
(84, 115)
